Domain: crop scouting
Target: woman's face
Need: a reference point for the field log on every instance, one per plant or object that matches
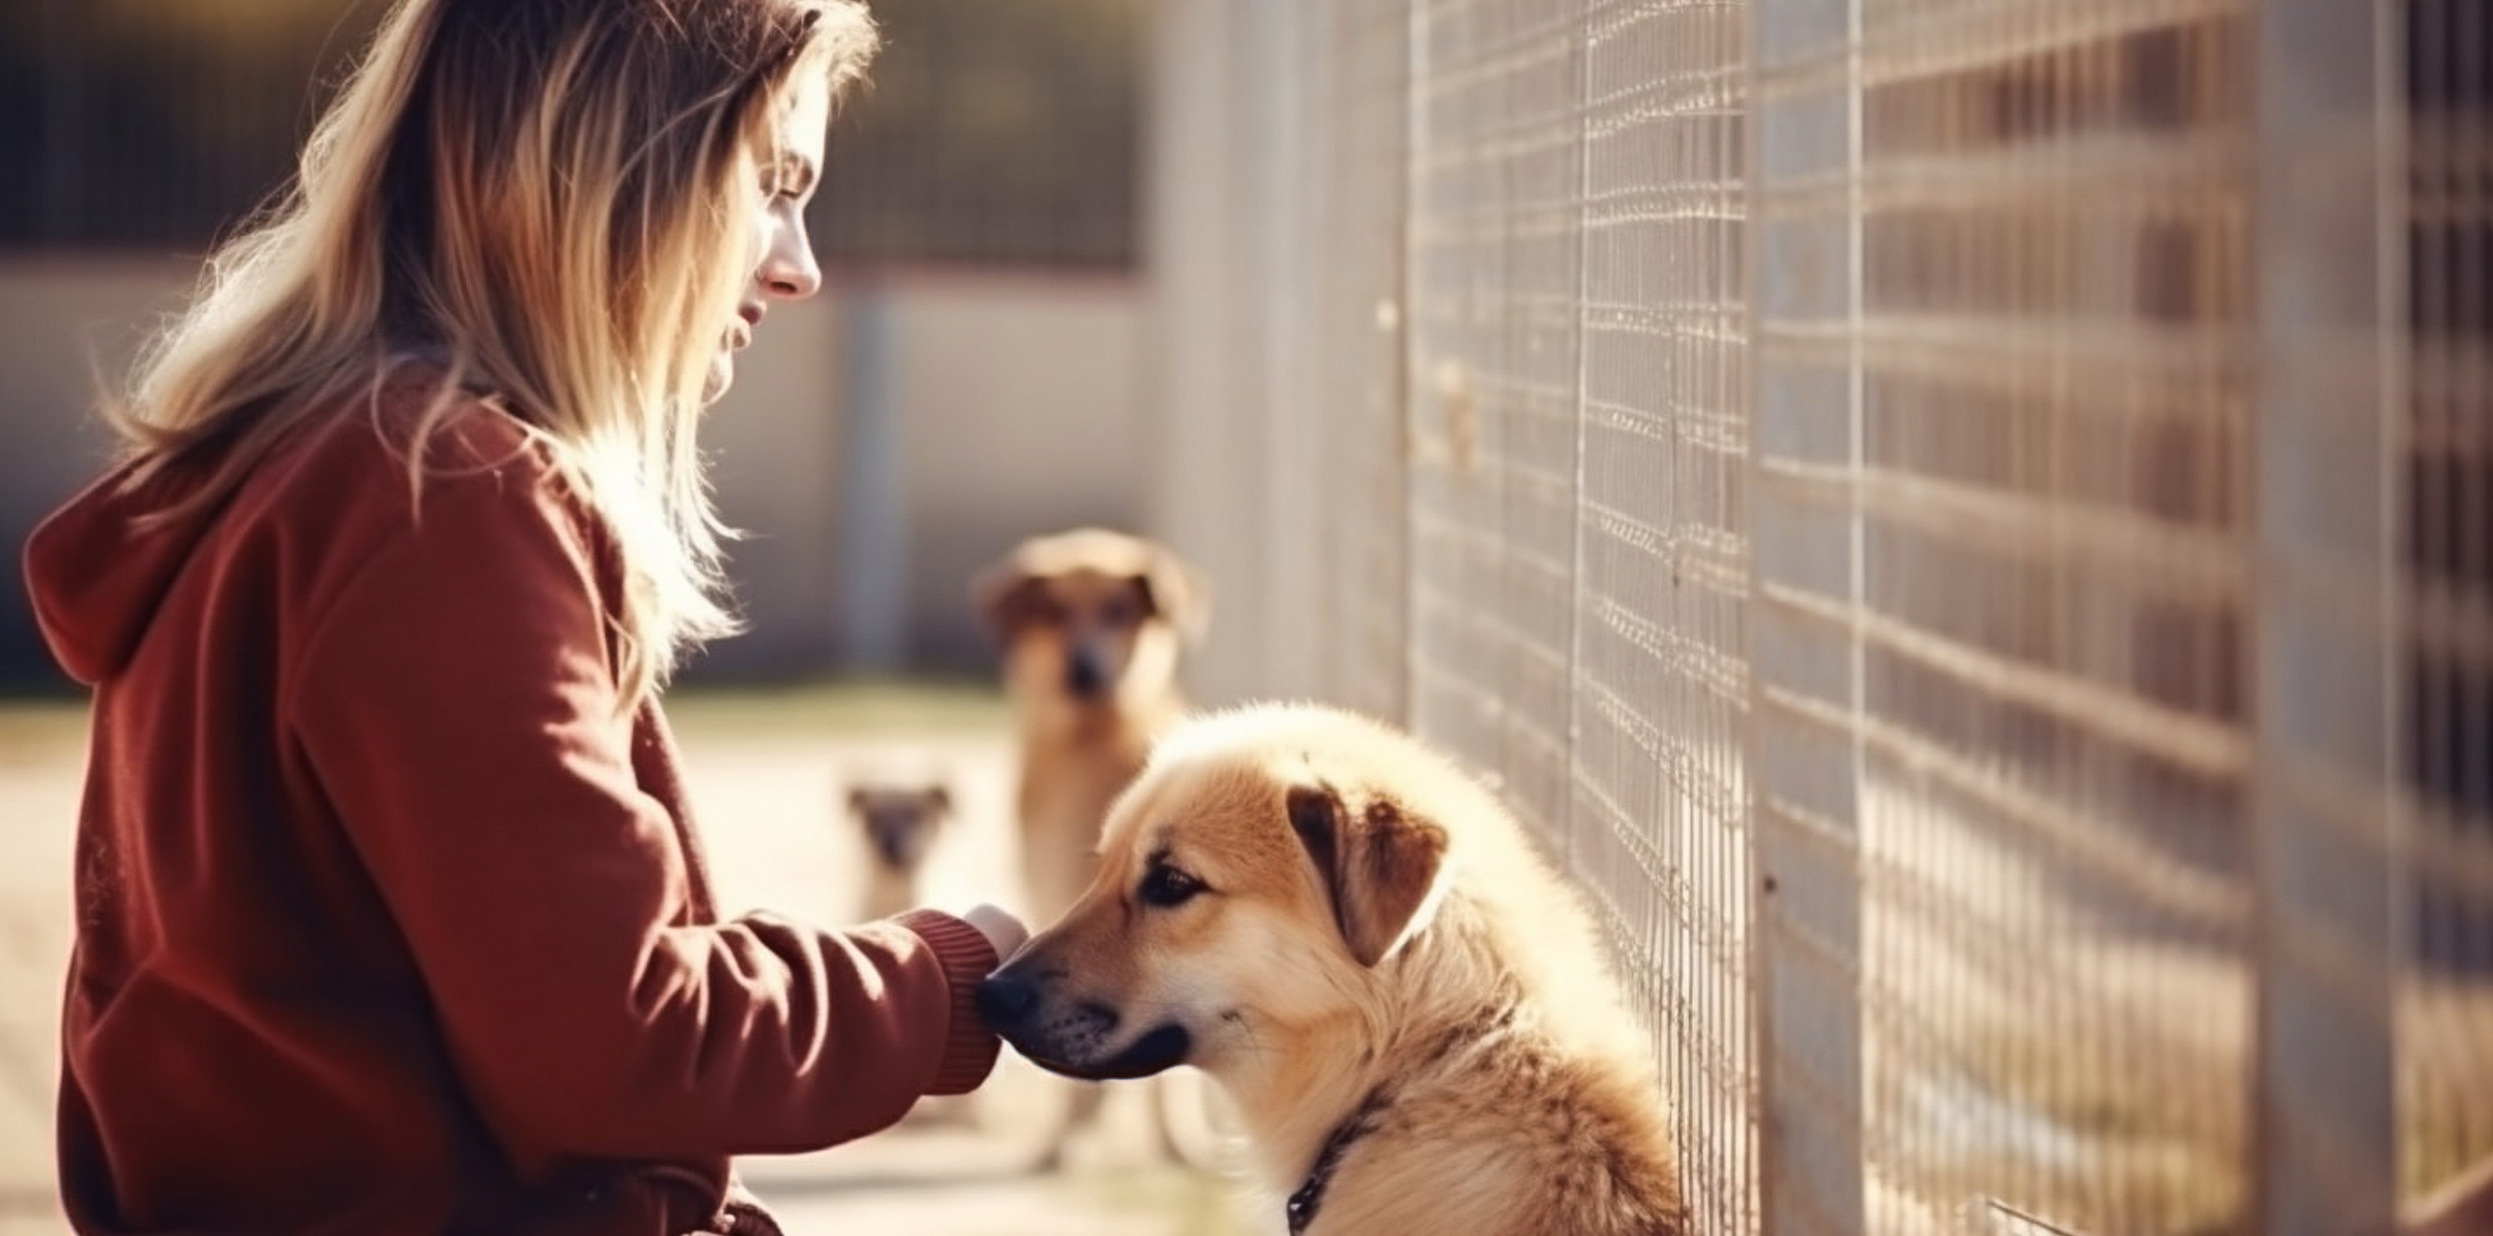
(790, 167)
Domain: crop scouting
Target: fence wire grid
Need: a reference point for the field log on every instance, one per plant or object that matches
(1963, 523)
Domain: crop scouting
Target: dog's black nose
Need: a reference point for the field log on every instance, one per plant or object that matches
(1083, 676)
(1004, 1000)
(899, 846)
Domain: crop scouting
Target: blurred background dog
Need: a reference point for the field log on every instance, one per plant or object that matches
(1091, 623)
(897, 822)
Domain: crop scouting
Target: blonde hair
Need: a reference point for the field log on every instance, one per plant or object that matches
(543, 194)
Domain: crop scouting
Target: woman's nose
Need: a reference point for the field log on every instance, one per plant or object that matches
(789, 270)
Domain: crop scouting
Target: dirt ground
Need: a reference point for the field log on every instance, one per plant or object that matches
(767, 772)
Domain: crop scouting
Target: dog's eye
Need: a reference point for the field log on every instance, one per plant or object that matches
(1165, 886)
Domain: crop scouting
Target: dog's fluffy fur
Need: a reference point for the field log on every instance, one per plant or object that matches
(1329, 917)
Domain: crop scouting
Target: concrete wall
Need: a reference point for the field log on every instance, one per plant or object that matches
(1015, 398)
(1021, 415)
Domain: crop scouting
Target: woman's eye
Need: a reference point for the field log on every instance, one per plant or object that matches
(1167, 886)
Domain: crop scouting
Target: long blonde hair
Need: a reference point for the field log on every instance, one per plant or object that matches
(544, 194)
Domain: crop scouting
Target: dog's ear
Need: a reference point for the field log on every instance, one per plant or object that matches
(938, 799)
(1379, 865)
(857, 799)
(1007, 597)
(1177, 592)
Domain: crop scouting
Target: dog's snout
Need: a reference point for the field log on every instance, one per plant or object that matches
(1005, 999)
(1100, 1016)
(1083, 676)
(898, 844)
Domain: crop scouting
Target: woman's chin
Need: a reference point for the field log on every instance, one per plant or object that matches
(722, 376)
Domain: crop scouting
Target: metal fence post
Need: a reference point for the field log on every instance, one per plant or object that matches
(1804, 649)
(2323, 550)
(874, 566)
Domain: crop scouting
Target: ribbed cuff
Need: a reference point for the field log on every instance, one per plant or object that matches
(970, 1049)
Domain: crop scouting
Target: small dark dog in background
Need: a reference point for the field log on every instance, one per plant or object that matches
(898, 822)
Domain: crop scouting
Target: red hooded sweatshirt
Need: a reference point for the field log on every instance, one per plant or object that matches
(387, 921)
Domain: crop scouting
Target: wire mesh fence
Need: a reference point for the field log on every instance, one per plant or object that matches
(1963, 523)
(2440, 492)
(2055, 868)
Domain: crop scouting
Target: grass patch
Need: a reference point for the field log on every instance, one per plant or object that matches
(2058, 1128)
(2445, 1072)
(2438, 1142)
(845, 708)
(1197, 1203)
(41, 728)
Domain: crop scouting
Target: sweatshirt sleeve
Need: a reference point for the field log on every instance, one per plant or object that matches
(456, 703)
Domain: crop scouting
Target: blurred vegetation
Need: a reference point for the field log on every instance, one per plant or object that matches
(844, 708)
(995, 131)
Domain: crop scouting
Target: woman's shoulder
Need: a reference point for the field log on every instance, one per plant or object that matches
(411, 457)
(427, 478)
(417, 420)
(412, 437)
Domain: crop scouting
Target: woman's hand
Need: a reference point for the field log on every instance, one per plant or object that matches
(1002, 930)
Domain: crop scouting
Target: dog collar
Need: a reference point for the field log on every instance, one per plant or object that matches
(1310, 1195)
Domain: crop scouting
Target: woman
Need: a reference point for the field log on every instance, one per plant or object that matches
(390, 914)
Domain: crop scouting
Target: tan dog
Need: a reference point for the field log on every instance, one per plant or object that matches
(896, 824)
(1091, 623)
(1366, 952)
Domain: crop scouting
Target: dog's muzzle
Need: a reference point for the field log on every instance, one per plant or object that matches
(1075, 1038)
(899, 846)
(1084, 679)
